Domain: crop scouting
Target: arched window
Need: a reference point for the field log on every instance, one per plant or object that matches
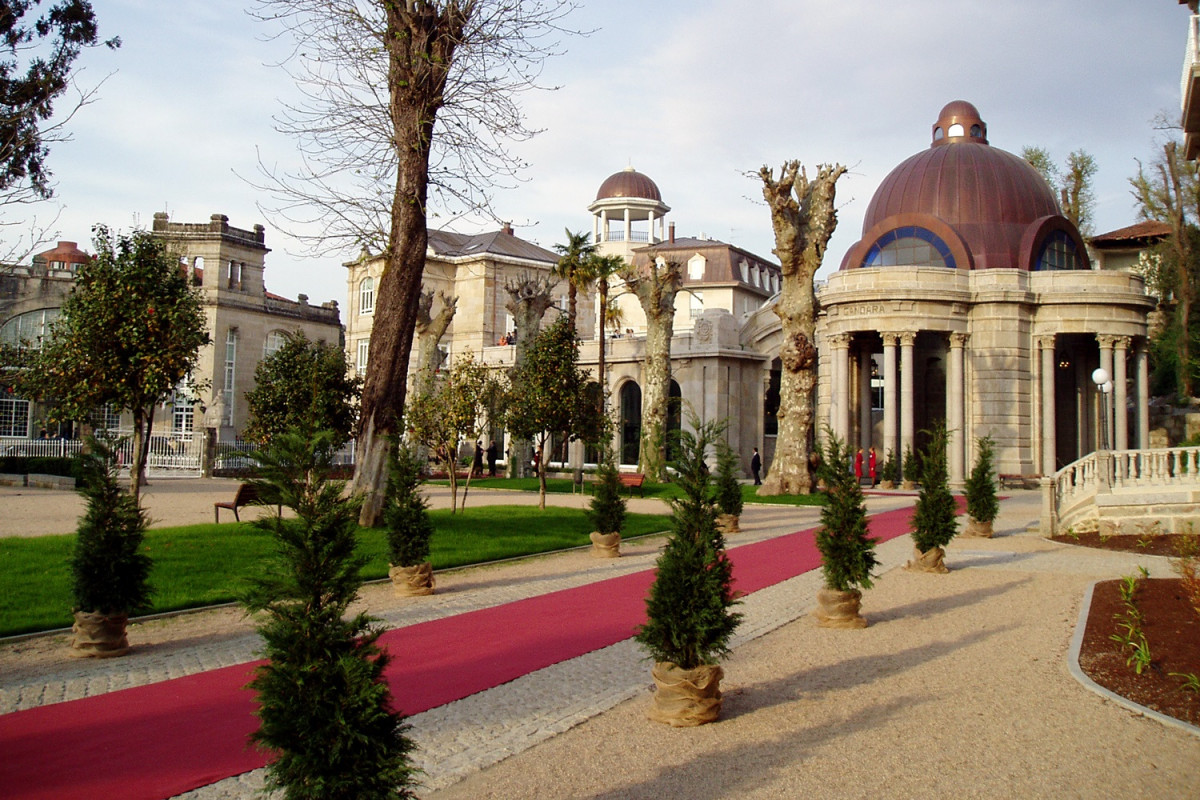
(631, 422)
(273, 342)
(956, 130)
(366, 296)
(28, 329)
(909, 247)
(1059, 252)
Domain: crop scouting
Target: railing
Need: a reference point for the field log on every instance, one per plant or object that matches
(1113, 471)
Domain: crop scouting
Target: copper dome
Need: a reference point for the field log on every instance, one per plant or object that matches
(629, 183)
(990, 208)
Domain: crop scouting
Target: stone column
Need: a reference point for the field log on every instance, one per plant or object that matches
(864, 399)
(628, 226)
(908, 341)
(890, 396)
(604, 225)
(1120, 400)
(1141, 360)
(839, 402)
(955, 409)
(1049, 462)
(1106, 416)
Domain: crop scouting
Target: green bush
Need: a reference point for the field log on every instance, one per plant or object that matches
(110, 574)
(933, 520)
(728, 490)
(40, 465)
(324, 706)
(847, 552)
(607, 510)
(982, 504)
(688, 621)
(406, 512)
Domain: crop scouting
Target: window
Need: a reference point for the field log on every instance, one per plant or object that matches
(956, 130)
(14, 417)
(107, 418)
(273, 342)
(697, 302)
(366, 296)
(183, 415)
(696, 265)
(28, 329)
(909, 247)
(231, 341)
(235, 275)
(364, 349)
(1059, 252)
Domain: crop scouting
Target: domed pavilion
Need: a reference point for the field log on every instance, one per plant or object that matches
(970, 298)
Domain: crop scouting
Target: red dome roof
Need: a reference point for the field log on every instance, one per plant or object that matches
(629, 183)
(986, 196)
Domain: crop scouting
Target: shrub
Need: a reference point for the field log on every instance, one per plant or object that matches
(890, 471)
(688, 621)
(607, 510)
(847, 552)
(109, 574)
(728, 490)
(406, 512)
(1187, 564)
(982, 504)
(933, 519)
(912, 465)
(324, 706)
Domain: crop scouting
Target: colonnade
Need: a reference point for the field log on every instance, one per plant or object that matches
(851, 388)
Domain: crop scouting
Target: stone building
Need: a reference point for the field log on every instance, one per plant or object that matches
(971, 299)
(245, 322)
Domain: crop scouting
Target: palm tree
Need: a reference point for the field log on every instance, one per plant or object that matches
(600, 269)
(572, 267)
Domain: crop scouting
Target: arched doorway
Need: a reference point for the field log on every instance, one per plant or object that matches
(630, 422)
(674, 419)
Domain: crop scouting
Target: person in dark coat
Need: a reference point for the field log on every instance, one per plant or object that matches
(755, 467)
(491, 457)
(477, 461)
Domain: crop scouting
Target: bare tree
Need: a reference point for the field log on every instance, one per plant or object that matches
(655, 287)
(803, 217)
(1073, 185)
(401, 97)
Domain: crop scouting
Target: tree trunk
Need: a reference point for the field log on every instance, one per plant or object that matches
(601, 376)
(655, 287)
(803, 218)
(1183, 264)
(529, 298)
(430, 329)
(421, 40)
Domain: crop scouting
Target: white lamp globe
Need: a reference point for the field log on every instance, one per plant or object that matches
(1100, 376)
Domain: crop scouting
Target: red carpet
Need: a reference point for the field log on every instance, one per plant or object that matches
(160, 740)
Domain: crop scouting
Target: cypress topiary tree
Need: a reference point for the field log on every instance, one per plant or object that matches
(689, 623)
(728, 490)
(324, 707)
(933, 519)
(110, 574)
(911, 465)
(607, 510)
(982, 504)
(847, 552)
(890, 469)
(409, 529)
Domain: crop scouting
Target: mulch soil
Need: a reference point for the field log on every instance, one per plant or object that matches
(1169, 621)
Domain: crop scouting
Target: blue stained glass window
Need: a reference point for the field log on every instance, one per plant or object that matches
(1059, 252)
(909, 246)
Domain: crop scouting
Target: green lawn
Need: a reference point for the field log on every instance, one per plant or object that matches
(663, 491)
(199, 565)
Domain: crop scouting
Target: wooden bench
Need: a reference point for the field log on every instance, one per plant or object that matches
(631, 481)
(247, 495)
(1011, 480)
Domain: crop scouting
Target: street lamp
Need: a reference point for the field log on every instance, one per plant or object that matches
(1104, 384)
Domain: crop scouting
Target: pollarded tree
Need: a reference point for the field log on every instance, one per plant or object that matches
(129, 333)
(803, 217)
(431, 328)
(548, 395)
(529, 299)
(401, 96)
(600, 269)
(449, 407)
(304, 386)
(655, 287)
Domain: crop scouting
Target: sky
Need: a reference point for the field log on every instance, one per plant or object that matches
(696, 94)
